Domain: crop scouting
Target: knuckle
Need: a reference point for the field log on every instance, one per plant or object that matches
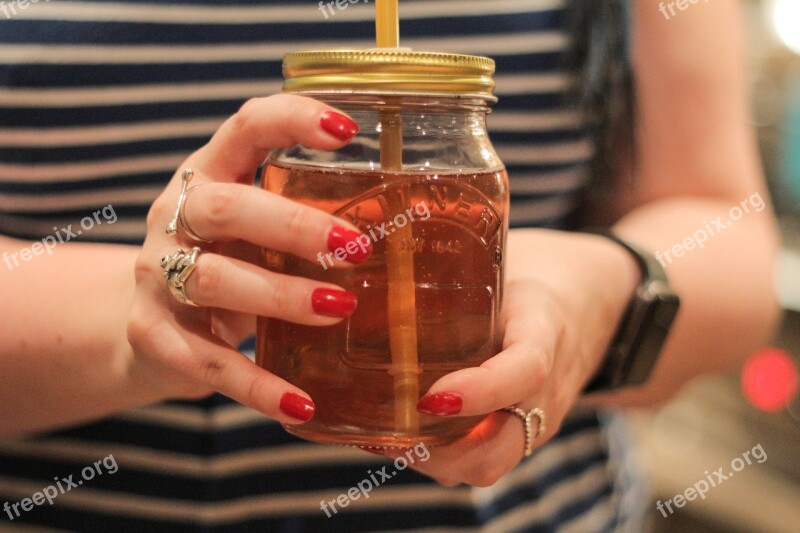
(208, 278)
(496, 394)
(221, 203)
(298, 220)
(539, 375)
(157, 213)
(211, 370)
(257, 391)
(139, 328)
(144, 270)
(537, 367)
(300, 108)
(241, 119)
(278, 298)
(183, 360)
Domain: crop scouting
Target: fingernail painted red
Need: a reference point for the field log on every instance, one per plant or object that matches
(297, 406)
(353, 246)
(338, 125)
(337, 304)
(441, 404)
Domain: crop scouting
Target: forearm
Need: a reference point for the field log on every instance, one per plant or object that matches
(64, 357)
(695, 161)
(728, 305)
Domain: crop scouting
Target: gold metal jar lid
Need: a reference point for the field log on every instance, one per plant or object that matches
(389, 71)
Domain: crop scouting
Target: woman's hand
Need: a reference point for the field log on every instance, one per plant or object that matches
(564, 297)
(185, 351)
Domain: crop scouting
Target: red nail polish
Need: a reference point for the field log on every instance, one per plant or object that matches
(348, 245)
(297, 406)
(338, 125)
(337, 304)
(441, 404)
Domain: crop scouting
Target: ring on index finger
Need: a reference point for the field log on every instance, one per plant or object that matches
(180, 211)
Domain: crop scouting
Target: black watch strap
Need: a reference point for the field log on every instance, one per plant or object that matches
(644, 327)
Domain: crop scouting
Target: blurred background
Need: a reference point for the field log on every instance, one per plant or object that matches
(715, 421)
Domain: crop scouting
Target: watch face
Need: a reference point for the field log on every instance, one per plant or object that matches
(658, 316)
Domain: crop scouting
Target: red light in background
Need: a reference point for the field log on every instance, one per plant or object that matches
(770, 379)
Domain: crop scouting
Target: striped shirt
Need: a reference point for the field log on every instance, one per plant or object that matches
(101, 101)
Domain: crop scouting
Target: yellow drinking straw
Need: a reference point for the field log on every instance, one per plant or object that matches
(402, 313)
(387, 24)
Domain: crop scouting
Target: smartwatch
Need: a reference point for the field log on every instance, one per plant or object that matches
(644, 327)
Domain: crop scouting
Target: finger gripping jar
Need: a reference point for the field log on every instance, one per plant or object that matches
(424, 185)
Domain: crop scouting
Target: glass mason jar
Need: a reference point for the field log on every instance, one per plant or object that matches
(424, 185)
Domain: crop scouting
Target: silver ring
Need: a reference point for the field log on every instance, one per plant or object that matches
(182, 217)
(526, 417)
(177, 269)
(180, 211)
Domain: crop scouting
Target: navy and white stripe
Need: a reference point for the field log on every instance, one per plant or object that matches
(100, 102)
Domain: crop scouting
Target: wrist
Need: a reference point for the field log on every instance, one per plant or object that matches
(619, 268)
(641, 334)
(615, 277)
